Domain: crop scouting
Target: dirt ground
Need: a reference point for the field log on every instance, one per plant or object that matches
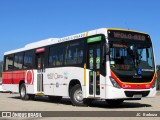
(12, 102)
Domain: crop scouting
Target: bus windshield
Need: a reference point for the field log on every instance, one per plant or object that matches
(130, 51)
(129, 56)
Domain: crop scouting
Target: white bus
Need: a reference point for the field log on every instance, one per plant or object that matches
(107, 63)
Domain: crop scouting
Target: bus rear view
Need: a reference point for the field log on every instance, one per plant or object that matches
(132, 66)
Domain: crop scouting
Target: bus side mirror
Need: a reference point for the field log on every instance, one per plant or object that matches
(107, 49)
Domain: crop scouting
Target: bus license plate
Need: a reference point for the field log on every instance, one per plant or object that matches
(137, 96)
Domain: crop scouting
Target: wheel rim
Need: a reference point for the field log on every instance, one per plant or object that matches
(78, 96)
(23, 91)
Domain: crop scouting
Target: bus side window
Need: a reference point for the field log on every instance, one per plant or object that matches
(74, 53)
(28, 59)
(18, 61)
(56, 56)
(9, 62)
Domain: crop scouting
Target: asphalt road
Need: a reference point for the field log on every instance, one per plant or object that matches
(12, 102)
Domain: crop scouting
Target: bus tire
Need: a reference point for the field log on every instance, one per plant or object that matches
(23, 92)
(115, 102)
(76, 95)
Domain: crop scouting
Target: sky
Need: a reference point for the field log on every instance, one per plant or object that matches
(27, 21)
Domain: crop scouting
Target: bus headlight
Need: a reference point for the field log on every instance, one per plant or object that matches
(114, 83)
(154, 84)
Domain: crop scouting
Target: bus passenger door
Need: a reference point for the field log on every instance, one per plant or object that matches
(93, 61)
(40, 70)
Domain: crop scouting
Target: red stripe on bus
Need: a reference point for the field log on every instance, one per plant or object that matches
(13, 77)
(127, 85)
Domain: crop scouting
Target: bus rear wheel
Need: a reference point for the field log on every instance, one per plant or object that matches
(76, 95)
(115, 102)
(23, 92)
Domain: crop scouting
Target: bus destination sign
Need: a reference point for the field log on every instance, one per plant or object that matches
(128, 35)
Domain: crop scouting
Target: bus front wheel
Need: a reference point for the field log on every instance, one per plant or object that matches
(76, 95)
(23, 92)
